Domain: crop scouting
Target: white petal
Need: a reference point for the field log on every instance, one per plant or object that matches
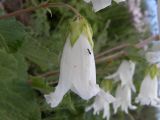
(149, 92)
(82, 69)
(100, 4)
(106, 112)
(118, 1)
(87, 1)
(153, 57)
(64, 83)
(56, 97)
(125, 74)
(123, 99)
(88, 108)
(107, 96)
(114, 76)
(101, 103)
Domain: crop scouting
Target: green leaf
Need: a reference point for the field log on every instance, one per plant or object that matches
(37, 53)
(88, 31)
(40, 26)
(68, 103)
(16, 97)
(12, 33)
(40, 84)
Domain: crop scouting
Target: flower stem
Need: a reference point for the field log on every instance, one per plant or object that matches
(131, 117)
(42, 5)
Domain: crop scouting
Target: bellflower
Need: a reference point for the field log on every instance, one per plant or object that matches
(125, 74)
(153, 57)
(149, 92)
(123, 99)
(101, 103)
(77, 67)
(101, 4)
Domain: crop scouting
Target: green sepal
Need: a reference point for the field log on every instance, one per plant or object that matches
(106, 85)
(76, 28)
(89, 33)
(39, 83)
(152, 70)
(79, 26)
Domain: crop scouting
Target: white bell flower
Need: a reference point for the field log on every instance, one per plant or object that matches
(77, 72)
(153, 57)
(125, 74)
(123, 99)
(101, 103)
(149, 92)
(101, 4)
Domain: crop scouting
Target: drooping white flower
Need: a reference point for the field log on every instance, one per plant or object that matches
(77, 71)
(125, 74)
(123, 99)
(102, 103)
(153, 57)
(149, 92)
(101, 4)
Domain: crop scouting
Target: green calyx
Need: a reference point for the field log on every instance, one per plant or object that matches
(106, 85)
(152, 70)
(79, 26)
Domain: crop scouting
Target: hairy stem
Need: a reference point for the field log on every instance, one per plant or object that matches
(42, 5)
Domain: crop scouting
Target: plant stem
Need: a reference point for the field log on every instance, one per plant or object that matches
(51, 73)
(101, 57)
(111, 57)
(126, 45)
(42, 5)
(112, 50)
(131, 117)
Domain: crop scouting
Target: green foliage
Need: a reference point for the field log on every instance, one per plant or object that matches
(37, 53)
(16, 97)
(39, 83)
(12, 34)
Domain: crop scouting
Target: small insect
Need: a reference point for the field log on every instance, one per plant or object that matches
(89, 51)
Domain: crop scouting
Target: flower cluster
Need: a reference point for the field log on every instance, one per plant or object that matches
(124, 74)
(78, 73)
